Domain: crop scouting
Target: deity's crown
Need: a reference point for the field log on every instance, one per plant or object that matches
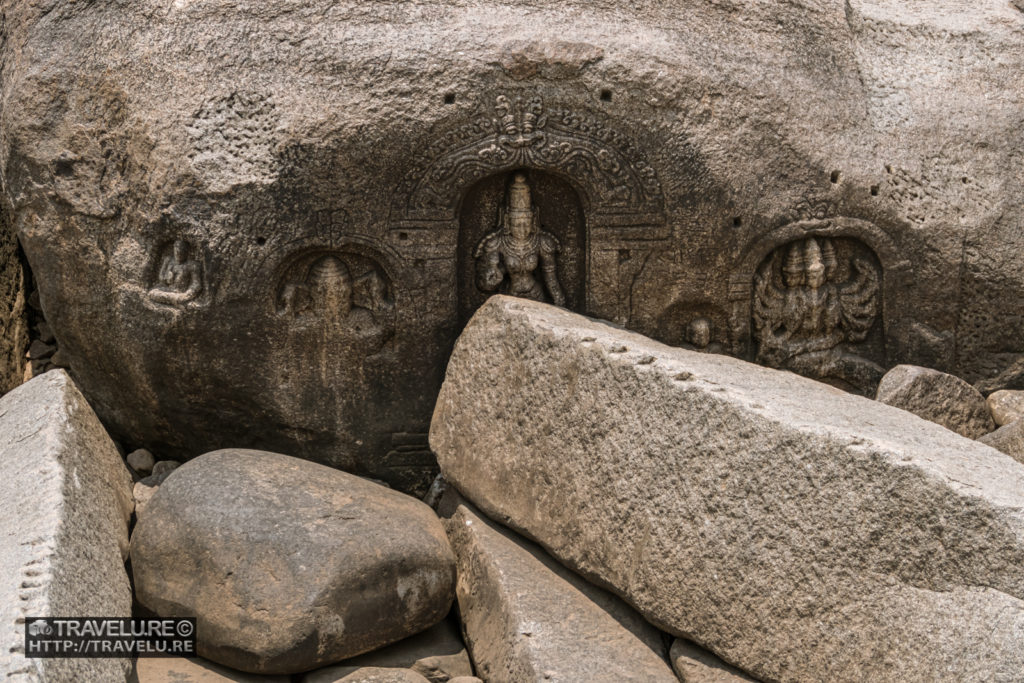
(519, 196)
(812, 256)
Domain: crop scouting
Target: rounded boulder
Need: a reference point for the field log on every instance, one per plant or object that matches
(289, 565)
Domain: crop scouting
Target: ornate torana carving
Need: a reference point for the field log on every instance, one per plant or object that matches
(508, 259)
(806, 319)
(522, 133)
(179, 276)
(345, 294)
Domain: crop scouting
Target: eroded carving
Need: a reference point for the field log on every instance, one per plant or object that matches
(523, 133)
(179, 276)
(345, 294)
(811, 310)
(508, 259)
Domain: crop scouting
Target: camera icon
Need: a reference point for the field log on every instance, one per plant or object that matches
(40, 628)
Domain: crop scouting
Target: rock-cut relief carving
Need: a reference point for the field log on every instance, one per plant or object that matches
(811, 311)
(524, 132)
(519, 258)
(346, 295)
(179, 276)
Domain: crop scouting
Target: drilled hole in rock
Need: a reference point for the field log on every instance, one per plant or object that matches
(64, 168)
(403, 236)
(737, 222)
(449, 98)
(261, 240)
(874, 190)
(834, 177)
(964, 180)
(606, 95)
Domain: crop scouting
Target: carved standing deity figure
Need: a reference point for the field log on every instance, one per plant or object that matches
(508, 258)
(179, 279)
(803, 325)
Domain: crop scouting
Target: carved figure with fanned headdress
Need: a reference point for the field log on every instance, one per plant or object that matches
(804, 319)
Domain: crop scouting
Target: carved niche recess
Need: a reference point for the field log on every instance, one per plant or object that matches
(344, 294)
(177, 276)
(817, 310)
(591, 195)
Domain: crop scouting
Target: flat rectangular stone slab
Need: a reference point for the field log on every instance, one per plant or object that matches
(65, 502)
(799, 532)
(527, 618)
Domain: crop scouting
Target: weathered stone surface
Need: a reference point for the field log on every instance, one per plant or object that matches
(694, 664)
(1006, 406)
(173, 208)
(938, 397)
(799, 532)
(287, 564)
(528, 619)
(13, 321)
(194, 670)
(65, 501)
(1009, 439)
(369, 674)
(142, 494)
(438, 654)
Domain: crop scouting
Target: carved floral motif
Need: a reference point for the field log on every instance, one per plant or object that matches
(523, 133)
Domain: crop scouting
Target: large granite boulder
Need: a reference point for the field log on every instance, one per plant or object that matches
(65, 502)
(289, 565)
(799, 532)
(264, 225)
(527, 618)
(939, 397)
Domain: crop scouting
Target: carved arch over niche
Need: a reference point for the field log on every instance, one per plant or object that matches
(618, 187)
(896, 272)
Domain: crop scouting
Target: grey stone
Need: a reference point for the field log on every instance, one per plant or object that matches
(438, 654)
(65, 502)
(286, 564)
(40, 351)
(466, 679)
(141, 461)
(193, 670)
(13, 319)
(165, 467)
(1009, 439)
(173, 209)
(528, 619)
(799, 532)
(694, 664)
(1006, 406)
(938, 397)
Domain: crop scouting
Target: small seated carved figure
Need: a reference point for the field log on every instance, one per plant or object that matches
(699, 336)
(179, 279)
(508, 258)
(803, 325)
